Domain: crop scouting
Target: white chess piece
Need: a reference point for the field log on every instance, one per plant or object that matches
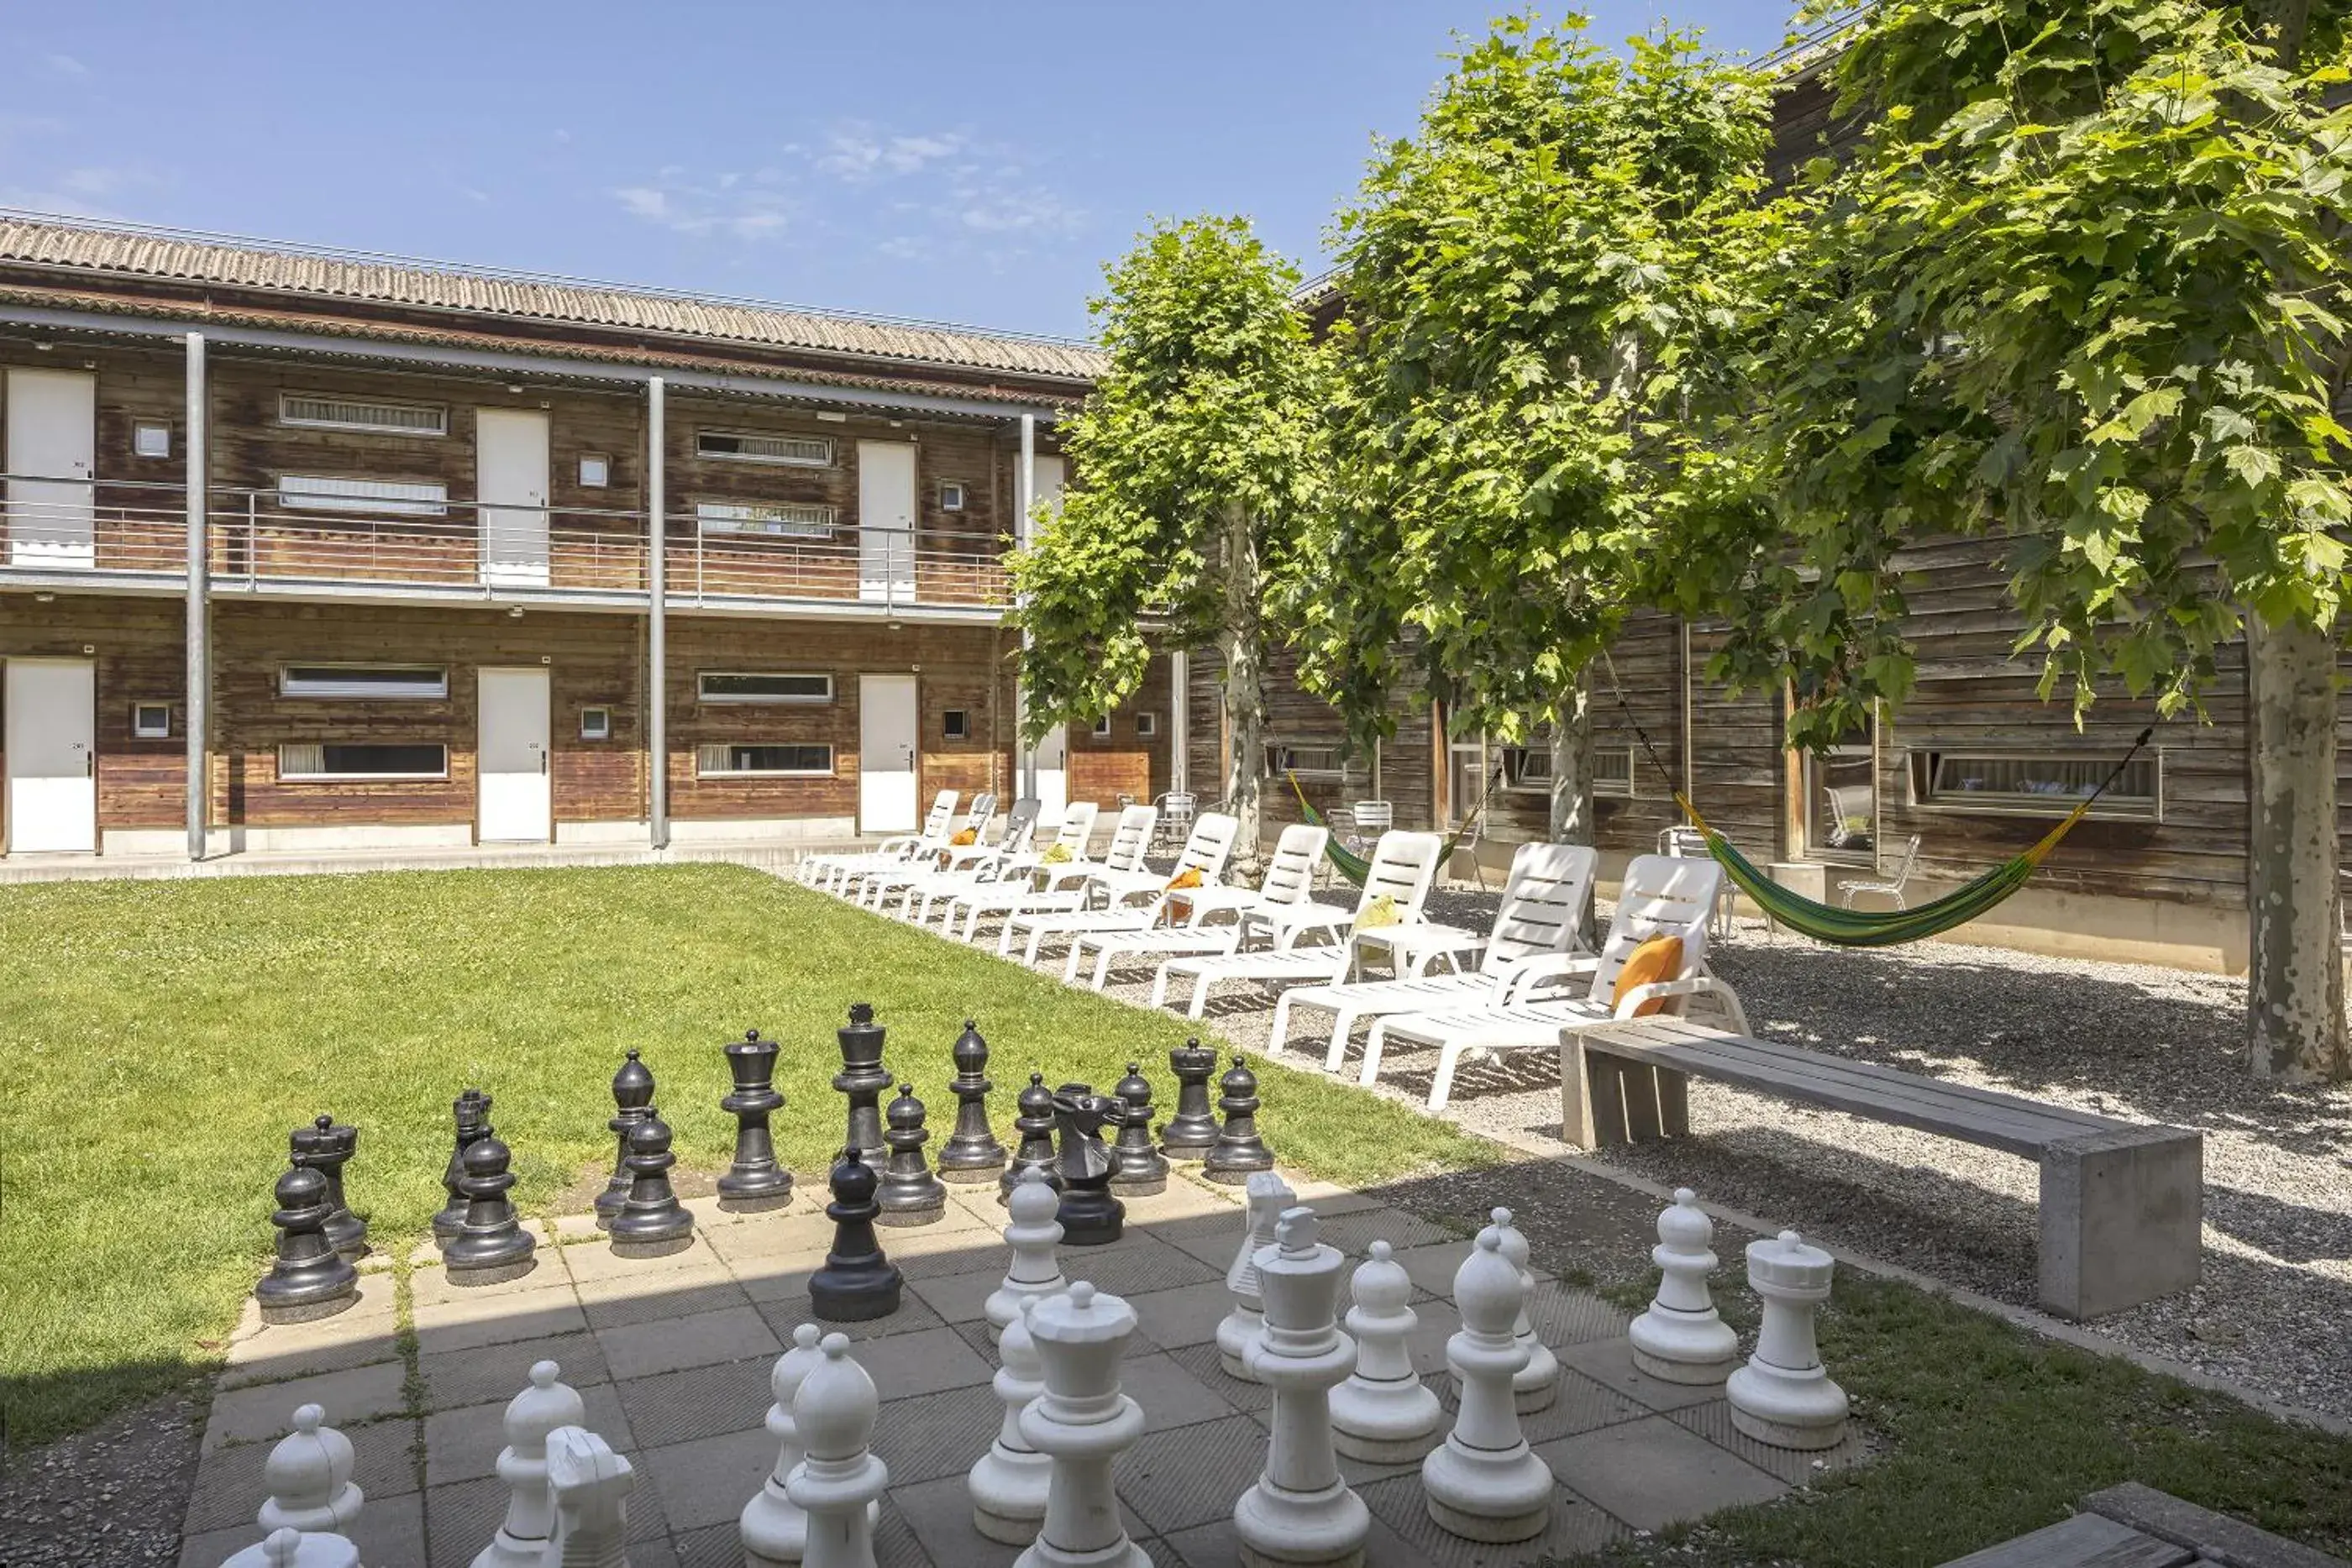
(1484, 1484)
(1783, 1397)
(841, 1481)
(1082, 1423)
(1682, 1338)
(308, 1475)
(1538, 1382)
(290, 1548)
(774, 1529)
(1009, 1484)
(1300, 1511)
(590, 1486)
(1033, 1234)
(1383, 1413)
(530, 1416)
(1266, 1196)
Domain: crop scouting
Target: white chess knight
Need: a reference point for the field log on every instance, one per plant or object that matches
(589, 1486)
(530, 1416)
(308, 1478)
(840, 1481)
(1010, 1483)
(288, 1548)
(1033, 1234)
(1266, 1196)
(1383, 1413)
(1082, 1423)
(1484, 1484)
(1682, 1338)
(1538, 1382)
(1784, 1396)
(1300, 1511)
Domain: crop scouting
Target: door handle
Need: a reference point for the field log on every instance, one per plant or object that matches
(543, 766)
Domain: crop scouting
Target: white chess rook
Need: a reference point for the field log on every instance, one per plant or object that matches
(840, 1481)
(521, 1539)
(1033, 1234)
(290, 1548)
(1783, 1397)
(1484, 1484)
(1300, 1511)
(1082, 1423)
(590, 1486)
(1538, 1382)
(1682, 1338)
(1383, 1413)
(1010, 1483)
(774, 1529)
(1267, 1195)
(308, 1478)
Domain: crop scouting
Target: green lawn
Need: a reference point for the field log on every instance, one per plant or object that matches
(165, 1037)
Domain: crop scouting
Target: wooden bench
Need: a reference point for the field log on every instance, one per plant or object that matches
(2122, 1202)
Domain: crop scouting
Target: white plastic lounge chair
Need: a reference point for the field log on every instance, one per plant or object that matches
(1288, 876)
(1541, 914)
(1403, 865)
(895, 852)
(1061, 889)
(1015, 876)
(1134, 900)
(1659, 896)
(823, 870)
(864, 886)
(1206, 849)
(967, 867)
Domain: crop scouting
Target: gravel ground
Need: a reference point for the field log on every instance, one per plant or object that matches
(2127, 1040)
(108, 1498)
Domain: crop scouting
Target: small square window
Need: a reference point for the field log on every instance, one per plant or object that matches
(151, 438)
(151, 721)
(957, 724)
(595, 724)
(596, 470)
(950, 494)
(1102, 727)
(1146, 724)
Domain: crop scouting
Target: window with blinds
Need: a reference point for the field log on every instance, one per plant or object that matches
(408, 683)
(2037, 784)
(764, 686)
(760, 446)
(329, 410)
(331, 761)
(731, 759)
(376, 497)
(786, 519)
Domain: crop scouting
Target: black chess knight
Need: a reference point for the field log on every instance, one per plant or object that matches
(1090, 1215)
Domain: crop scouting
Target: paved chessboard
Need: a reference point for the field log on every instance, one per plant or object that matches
(672, 1356)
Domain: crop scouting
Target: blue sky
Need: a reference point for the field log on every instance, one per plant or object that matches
(963, 162)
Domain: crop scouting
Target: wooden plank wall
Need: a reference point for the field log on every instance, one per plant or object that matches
(139, 648)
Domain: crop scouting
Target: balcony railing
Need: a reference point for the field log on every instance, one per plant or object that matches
(71, 527)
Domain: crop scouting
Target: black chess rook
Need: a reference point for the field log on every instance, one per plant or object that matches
(1191, 1132)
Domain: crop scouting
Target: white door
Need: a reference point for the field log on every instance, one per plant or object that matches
(885, 521)
(887, 737)
(511, 485)
(1054, 774)
(517, 799)
(1049, 472)
(52, 455)
(52, 755)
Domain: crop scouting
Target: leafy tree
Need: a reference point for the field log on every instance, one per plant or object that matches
(1196, 455)
(1529, 282)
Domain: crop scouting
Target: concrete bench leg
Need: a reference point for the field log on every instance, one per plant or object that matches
(1575, 1122)
(2122, 1219)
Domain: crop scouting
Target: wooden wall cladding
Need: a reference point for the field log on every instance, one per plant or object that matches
(139, 648)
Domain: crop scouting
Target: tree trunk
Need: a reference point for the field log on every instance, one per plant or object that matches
(2294, 1002)
(1242, 643)
(1572, 765)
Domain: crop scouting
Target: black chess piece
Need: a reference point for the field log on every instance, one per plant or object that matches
(1240, 1152)
(910, 1194)
(1138, 1168)
(863, 1078)
(1191, 1133)
(330, 1147)
(472, 1111)
(971, 1153)
(652, 1223)
(1089, 1216)
(1035, 1153)
(857, 1283)
(633, 1094)
(494, 1245)
(307, 1279)
(755, 1181)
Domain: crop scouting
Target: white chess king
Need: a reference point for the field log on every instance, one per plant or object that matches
(1082, 1423)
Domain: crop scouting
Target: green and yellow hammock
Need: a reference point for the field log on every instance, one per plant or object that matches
(1355, 867)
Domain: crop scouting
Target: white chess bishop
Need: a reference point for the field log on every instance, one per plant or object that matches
(1301, 1512)
(1784, 1396)
(1383, 1413)
(1267, 1195)
(774, 1528)
(521, 1539)
(1082, 1423)
(1682, 1338)
(1033, 1234)
(308, 1478)
(1010, 1483)
(1538, 1382)
(840, 1481)
(1484, 1484)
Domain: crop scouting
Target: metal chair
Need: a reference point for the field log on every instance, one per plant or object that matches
(1373, 818)
(1690, 844)
(1177, 809)
(1468, 844)
(1892, 887)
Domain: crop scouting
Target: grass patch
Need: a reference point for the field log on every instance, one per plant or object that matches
(167, 1036)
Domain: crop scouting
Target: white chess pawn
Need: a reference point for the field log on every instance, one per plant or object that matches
(1082, 1423)
(288, 1548)
(308, 1475)
(1036, 1273)
(1537, 1384)
(589, 1486)
(1383, 1413)
(1682, 1338)
(1301, 1511)
(1267, 1195)
(1009, 1484)
(1783, 1397)
(840, 1481)
(1484, 1484)
(774, 1529)
(530, 1416)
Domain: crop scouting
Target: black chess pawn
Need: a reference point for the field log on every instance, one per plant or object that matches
(1138, 1168)
(1090, 1215)
(971, 1153)
(755, 1181)
(1191, 1133)
(1239, 1151)
(910, 1194)
(652, 1223)
(1035, 1153)
(863, 1078)
(472, 1112)
(494, 1245)
(330, 1147)
(857, 1283)
(307, 1279)
(633, 1096)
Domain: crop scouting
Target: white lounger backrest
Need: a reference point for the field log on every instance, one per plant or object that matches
(1131, 839)
(942, 813)
(1209, 846)
(982, 812)
(1021, 825)
(1403, 865)
(1077, 828)
(1661, 896)
(1544, 901)
(1291, 873)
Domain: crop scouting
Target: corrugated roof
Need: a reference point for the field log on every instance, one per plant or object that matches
(36, 240)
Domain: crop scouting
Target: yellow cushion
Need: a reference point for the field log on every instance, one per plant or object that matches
(1188, 877)
(1057, 854)
(1659, 958)
(1381, 911)
(968, 836)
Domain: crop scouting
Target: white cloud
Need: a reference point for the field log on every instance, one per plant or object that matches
(731, 206)
(65, 66)
(856, 151)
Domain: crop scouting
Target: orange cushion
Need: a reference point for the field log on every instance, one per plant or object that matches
(1188, 877)
(968, 836)
(1659, 958)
